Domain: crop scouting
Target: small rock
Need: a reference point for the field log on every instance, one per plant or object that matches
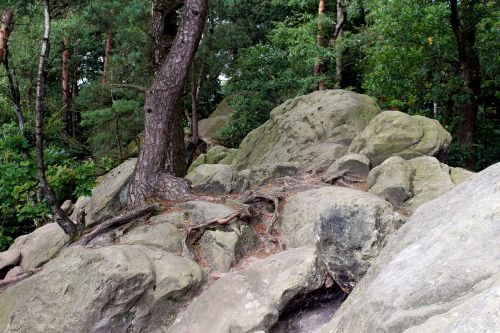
(80, 203)
(67, 207)
(15, 271)
(391, 180)
(164, 236)
(213, 178)
(354, 166)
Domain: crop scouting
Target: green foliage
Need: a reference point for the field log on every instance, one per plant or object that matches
(21, 206)
(250, 112)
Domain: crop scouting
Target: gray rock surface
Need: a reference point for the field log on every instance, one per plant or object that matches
(111, 195)
(429, 180)
(223, 249)
(439, 273)
(40, 246)
(250, 300)
(391, 180)
(459, 175)
(80, 203)
(196, 212)
(67, 207)
(307, 129)
(353, 166)
(110, 289)
(214, 179)
(8, 259)
(394, 133)
(164, 236)
(411, 183)
(208, 128)
(261, 174)
(214, 155)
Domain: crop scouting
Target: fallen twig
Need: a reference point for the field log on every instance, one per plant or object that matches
(117, 221)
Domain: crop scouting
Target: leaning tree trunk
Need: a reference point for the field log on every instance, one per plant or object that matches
(464, 27)
(339, 32)
(164, 28)
(151, 177)
(14, 91)
(319, 66)
(59, 216)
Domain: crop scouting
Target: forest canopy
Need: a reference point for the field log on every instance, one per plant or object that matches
(434, 58)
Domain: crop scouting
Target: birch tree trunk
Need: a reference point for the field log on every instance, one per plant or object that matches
(152, 175)
(59, 216)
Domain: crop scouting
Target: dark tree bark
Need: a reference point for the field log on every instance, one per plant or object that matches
(14, 91)
(107, 54)
(60, 217)
(152, 176)
(194, 104)
(164, 28)
(5, 30)
(66, 97)
(319, 66)
(75, 116)
(339, 32)
(463, 23)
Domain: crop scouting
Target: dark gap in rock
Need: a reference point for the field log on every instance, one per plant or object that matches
(307, 313)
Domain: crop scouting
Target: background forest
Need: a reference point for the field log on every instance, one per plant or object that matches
(437, 58)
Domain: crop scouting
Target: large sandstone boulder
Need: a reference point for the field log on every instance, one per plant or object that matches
(308, 129)
(349, 228)
(214, 179)
(394, 133)
(411, 183)
(250, 300)
(40, 246)
(111, 195)
(208, 128)
(439, 273)
(110, 289)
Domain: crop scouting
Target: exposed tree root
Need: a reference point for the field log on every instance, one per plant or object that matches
(6, 283)
(244, 213)
(117, 221)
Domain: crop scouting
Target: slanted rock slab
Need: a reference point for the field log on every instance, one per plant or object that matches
(8, 259)
(40, 246)
(111, 195)
(352, 166)
(439, 273)
(250, 300)
(164, 236)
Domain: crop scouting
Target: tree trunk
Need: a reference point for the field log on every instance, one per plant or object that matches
(107, 53)
(339, 32)
(14, 91)
(75, 116)
(152, 177)
(464, 28)
(194, 105)
(319, 66)
(65, 119)
(5, 30)
(59, 216)
(164, 28)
